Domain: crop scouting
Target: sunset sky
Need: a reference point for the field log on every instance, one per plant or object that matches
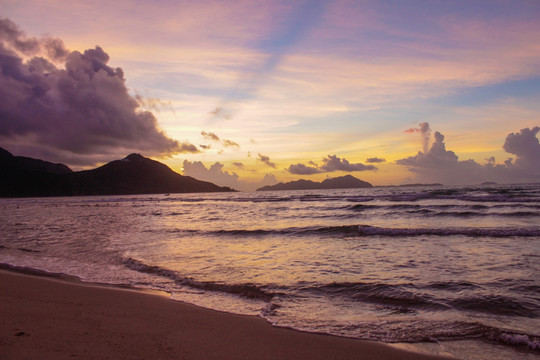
(248, 93)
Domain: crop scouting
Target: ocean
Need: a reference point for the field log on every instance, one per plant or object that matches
(438, 269)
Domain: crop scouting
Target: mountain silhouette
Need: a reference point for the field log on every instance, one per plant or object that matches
(341, 182)
(135, 174)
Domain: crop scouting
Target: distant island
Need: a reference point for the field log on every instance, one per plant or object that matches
(342, 182)
(412, 185)
(27, 177)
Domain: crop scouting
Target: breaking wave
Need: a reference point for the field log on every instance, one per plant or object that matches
(367, 231)
(250, 291)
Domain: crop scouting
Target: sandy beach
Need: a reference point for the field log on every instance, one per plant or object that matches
(51, 318)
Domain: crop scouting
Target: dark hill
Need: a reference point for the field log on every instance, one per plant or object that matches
(342, 182)
(23, 176)
(134, 174)
(26, 164)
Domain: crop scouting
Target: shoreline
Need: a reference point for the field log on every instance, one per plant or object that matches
(52, 316)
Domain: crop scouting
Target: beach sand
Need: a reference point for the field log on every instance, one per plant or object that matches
(48, 318)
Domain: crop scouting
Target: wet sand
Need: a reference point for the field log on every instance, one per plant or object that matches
(48, 318)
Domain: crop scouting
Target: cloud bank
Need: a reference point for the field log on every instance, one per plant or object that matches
(217, 175)
(441, 165)
(330, 164)
(80, 113)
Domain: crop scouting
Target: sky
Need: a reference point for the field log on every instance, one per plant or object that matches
(251, 93)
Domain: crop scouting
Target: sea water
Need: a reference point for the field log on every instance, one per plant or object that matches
(447, 270)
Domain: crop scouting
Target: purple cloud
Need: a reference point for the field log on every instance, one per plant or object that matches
(524, 145)
(81, 114)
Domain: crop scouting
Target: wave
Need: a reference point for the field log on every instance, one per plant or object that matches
(410, 206)
(438, 331)
(400, 297)
(478, 214)
(409, 297)
(513, 338)
(497, 305)
(367, 231)
(250, 291)
(404, 298)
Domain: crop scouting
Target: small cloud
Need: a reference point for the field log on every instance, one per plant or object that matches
(230, 144)
(207, 135)
(239, 165)
(330, 164)
(220, 113)
(188, 148)
(301, 169)
(375, 160)
(205, 147)
(265, 159)
(210, 136)
(334, 163)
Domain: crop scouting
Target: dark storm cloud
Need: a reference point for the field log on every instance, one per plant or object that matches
(334, 163)
(81, 111)
(265, 159)
(441, 165)
(12, 35)
(375, 160)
